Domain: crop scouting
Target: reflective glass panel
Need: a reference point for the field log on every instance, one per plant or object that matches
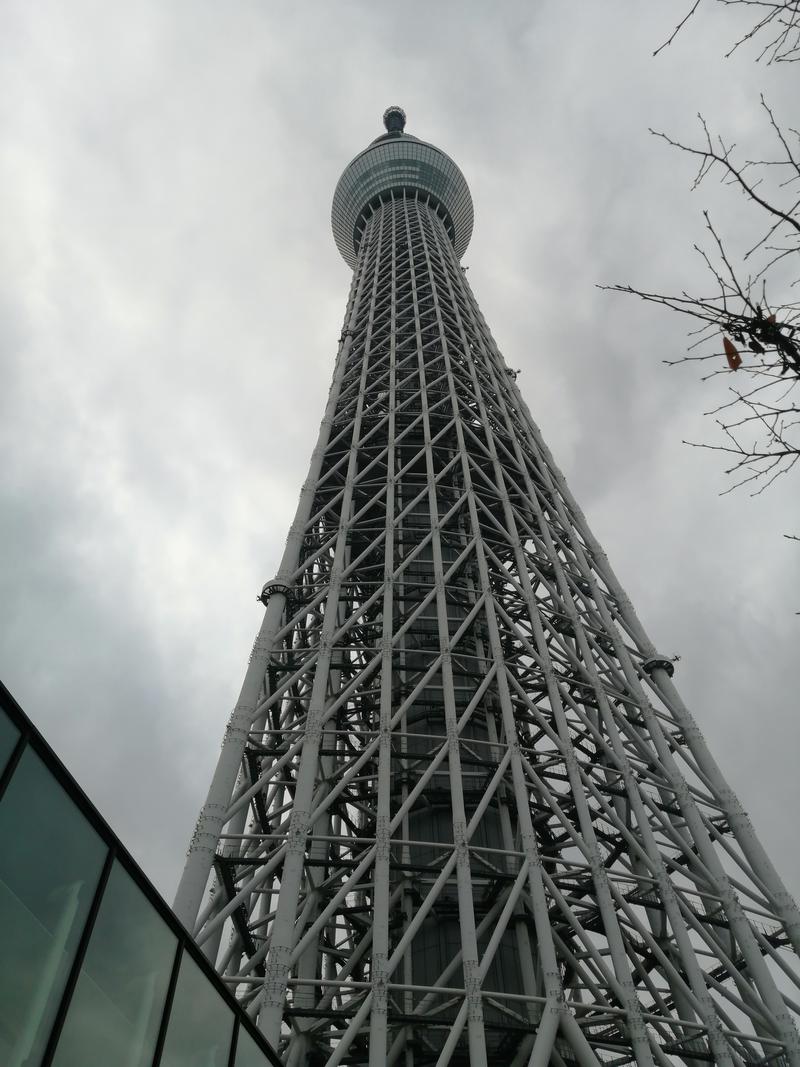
(248, 1054)
(50, 863)
(9, 735)
(200, 1022)
(116, 1008)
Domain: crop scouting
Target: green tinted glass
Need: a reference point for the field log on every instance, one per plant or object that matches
(50, 863)
(248, 1054)
(200, 1023)
(116, 1009)
(9, 735)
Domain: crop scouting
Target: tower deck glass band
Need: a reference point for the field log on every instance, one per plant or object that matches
(397, 164)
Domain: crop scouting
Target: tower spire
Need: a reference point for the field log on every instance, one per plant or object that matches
(394, 119)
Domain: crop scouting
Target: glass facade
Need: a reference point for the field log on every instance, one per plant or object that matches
(9, 735)
(399, 164)
(116, 1008)
(200, 1024)
(50, 865)
(247, 1051)
(95, 968)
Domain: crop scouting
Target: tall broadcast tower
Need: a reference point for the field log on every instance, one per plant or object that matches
(461, 815)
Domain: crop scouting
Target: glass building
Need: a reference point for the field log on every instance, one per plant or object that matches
(96, 970)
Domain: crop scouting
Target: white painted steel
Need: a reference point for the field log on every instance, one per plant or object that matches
(458, 817)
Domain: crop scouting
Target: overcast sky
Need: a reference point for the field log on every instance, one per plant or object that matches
(170, 302)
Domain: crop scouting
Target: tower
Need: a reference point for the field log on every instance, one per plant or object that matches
(461, 815)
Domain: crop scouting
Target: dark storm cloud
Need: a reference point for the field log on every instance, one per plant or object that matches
(171, 300)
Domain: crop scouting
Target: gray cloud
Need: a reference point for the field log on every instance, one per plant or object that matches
(171, 298)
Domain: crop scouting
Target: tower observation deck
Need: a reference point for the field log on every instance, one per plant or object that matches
(461, 814)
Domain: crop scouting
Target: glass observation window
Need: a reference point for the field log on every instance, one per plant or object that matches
(115, 1011)
(404, 162)
(200, 1023)
(9, 735)
(50, 864)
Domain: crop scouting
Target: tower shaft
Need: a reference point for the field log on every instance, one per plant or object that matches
(461, 815)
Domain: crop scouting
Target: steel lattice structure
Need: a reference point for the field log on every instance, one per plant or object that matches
(461, 815)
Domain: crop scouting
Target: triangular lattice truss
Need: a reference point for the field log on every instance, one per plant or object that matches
(473, 821)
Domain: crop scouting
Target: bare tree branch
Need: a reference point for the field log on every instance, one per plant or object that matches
(711, 155)
(678, 28)
(759, 423)
(777, 24)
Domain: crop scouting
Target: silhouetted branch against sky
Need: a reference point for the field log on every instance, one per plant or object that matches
(756, 326)
(775, 29)
(749, 310)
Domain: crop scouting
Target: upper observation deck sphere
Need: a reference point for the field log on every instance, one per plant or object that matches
(397, 163)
